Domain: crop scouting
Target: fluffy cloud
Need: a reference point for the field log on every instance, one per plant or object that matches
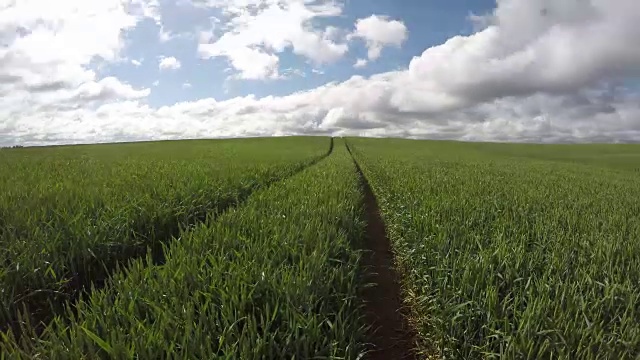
(360, 63)
(254, 64)
(552, 47)
(165, 35)
(378, 32)
(359, 106)
(42, 74)
(257, 31)
(537, 70)
(169, 63)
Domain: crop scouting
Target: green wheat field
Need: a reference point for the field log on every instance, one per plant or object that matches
(253, 249)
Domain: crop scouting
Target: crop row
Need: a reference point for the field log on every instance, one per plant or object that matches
(509, 256)
(274, 278)
(70, 215)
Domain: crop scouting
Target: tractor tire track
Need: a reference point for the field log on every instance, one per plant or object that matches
(391, 336)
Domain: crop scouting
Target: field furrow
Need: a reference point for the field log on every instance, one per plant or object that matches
(390, 333)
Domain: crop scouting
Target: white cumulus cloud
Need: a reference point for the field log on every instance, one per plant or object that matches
(169, 63)
(261, 30)
(529, 47)
(360, 63)
(378, 32)
(50, 54)
(535, 70)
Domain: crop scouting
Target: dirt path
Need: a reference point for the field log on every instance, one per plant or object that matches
(391, 336)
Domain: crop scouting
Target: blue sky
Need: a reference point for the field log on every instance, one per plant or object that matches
(428, 23)
(83, 71)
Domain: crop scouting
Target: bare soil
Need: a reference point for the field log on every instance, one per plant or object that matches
(391, 336)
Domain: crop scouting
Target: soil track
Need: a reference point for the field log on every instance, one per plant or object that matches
(391, 335)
